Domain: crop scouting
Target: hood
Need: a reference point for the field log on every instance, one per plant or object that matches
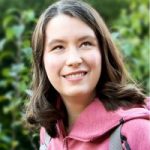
(95, 121)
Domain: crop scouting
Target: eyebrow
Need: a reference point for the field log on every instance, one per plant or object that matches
(87, 37)
(79, 39)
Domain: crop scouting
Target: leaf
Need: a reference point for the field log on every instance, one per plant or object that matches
(9, 20)
(2, 98)
(27, 51)
(5, 72)
(15, 143)
(15, 31)
(2, 43)
(19, 29)
(28, 16)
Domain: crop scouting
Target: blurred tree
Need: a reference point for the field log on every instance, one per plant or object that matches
(15, 59)
(109, 10)
(132, 35)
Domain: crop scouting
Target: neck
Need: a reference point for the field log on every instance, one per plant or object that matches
(75, 105)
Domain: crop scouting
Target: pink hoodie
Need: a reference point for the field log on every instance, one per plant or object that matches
(93, 127)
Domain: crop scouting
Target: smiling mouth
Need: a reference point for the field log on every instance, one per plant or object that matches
(77, 75)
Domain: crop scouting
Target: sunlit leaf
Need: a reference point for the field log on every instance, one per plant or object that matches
(2, 43)
(28, 15)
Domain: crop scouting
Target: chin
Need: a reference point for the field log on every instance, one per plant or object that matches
(79, 93)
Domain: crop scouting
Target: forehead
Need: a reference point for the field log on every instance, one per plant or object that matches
(65, 25)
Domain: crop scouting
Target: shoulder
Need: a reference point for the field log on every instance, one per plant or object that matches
(138, 124)
(137, 132)
(136, 127)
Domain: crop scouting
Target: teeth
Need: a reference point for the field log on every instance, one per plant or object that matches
(73, 76)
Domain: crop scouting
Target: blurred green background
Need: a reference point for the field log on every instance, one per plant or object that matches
(128, 22)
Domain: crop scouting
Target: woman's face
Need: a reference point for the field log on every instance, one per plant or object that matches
(72, 57)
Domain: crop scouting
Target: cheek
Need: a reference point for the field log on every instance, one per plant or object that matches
(94, 60)
(51, 65)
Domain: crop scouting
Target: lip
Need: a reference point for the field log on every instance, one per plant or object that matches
(75, 75)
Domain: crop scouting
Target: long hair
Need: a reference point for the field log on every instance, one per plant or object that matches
(115, 88)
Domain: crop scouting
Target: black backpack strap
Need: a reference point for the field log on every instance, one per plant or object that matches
(116, 139)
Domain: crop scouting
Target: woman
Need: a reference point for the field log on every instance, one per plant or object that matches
(81, 90)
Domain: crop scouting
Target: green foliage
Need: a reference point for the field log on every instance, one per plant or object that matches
(132, 36)
(109, 10)
(130, 31)
(15, 61)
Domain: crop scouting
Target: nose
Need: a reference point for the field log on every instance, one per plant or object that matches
(74, 58)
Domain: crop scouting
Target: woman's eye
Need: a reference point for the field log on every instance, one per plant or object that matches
(86, 44)
(59, 47)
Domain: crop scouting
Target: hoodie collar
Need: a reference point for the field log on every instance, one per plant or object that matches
(95, 121)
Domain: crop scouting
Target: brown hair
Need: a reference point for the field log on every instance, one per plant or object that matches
(113, 88)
